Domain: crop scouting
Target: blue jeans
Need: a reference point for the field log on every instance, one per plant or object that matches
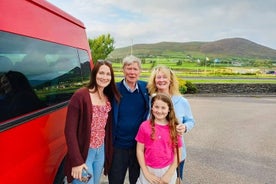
(181, 167)
(124, 159)
(94, 162)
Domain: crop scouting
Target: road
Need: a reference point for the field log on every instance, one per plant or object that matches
(233, 141)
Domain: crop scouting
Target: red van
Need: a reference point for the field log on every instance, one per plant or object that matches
(44, 58)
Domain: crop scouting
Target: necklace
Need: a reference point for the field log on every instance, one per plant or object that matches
(97, 93)
(101, 97)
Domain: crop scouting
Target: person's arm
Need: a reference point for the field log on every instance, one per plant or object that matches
(166, 178)
(187, 121)
(141, 159)
(77, 162)
(71, 136)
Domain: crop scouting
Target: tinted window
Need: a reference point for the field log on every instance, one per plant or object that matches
(53, 71)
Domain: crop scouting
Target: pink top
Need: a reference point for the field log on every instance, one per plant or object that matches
(100, 115)
(158, 152)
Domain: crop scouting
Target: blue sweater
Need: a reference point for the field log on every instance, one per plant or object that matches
(184, 115)
(129, 114)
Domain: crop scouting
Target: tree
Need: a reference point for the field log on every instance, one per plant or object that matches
(101, 47)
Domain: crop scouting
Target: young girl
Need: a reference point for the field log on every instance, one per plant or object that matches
(164, 80)
(157, 143)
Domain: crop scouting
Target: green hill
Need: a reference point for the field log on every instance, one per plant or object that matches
(230, 47)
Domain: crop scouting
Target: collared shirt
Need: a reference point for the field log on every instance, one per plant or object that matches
(128, 88)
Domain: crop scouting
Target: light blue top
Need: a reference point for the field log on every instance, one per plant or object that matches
(184, 115)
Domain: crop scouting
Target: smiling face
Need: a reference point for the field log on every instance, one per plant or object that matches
(131, 73)
(160, 110)
(162, 81)
(103, 76)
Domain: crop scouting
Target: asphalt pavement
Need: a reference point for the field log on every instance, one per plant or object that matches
(233, 141)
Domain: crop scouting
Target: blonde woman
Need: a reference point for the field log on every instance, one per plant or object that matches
(164, 80)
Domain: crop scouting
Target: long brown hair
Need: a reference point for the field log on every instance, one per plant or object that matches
(171, 117)
(111, 90)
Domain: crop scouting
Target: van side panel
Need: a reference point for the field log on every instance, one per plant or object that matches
(32, 145)
(30, 19)
(33, 151)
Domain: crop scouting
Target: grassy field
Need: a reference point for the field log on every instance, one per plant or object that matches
(216, 73)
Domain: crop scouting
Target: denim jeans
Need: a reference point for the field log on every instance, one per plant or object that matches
(181, 167)
(124, 159)
(94, 162)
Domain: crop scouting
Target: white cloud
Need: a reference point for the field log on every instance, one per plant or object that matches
(145, 21)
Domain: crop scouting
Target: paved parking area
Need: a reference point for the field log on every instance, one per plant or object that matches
(233, 142)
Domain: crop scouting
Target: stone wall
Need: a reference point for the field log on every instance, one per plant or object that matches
(236, 88)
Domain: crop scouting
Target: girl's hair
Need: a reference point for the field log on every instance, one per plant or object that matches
(174, 84)
(111, 90)
(171, 117)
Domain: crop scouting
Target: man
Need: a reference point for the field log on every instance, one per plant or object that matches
(132, 110)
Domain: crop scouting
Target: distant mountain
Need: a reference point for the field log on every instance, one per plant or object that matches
(230, 47)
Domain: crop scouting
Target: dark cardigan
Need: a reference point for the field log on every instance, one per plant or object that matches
(78, 130)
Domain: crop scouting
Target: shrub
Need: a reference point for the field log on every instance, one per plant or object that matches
(186, 87)
(182, 86)
(191, 88)
(179, 63)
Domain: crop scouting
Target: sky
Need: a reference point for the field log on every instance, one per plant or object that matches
(153, 21)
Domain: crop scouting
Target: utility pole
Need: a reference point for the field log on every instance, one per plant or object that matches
(131, 46)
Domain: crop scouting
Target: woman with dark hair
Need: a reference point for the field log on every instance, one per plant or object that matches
(19, 97)
(88, 125)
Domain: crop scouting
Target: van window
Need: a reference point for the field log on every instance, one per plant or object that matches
(54, 71)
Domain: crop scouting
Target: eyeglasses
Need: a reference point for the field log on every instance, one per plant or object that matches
(86, 176)
(104, 61)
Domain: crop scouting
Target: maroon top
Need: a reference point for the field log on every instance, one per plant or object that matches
(78, 131)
